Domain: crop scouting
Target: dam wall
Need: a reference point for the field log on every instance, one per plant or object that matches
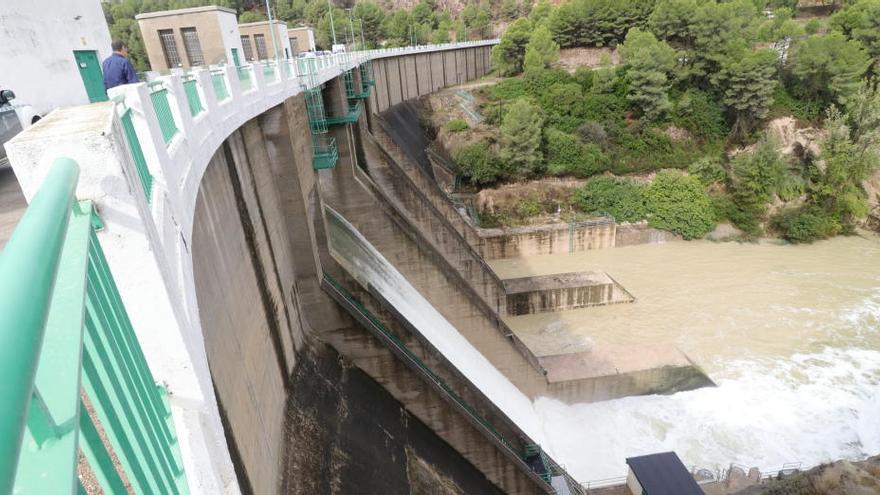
(208, 209)
(401, 78)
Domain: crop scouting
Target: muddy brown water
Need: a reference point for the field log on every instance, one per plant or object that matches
(791, 334)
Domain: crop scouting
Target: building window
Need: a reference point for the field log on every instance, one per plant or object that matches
(260, 41)
(294, 45)
(248, 49)
(192, 46)
(169, 47)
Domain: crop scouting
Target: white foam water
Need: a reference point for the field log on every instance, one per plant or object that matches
(762, 414)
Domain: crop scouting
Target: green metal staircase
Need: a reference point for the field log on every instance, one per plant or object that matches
(324, 151)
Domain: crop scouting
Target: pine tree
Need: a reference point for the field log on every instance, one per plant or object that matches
(650, 62)
(541, 50)
(521, 138)
(747, 80)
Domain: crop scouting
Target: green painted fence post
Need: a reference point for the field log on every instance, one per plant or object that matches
(28, 265)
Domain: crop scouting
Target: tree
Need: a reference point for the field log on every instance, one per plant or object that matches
(541, 13)
(509, 53)
(860, 21)
(747, 80)
(755, 178)
(521, 138)
(829, 68)
(838, 188)
(396, 28)
(597, 22)
(509, 9)
(781, 27)
(371, 16)
(649, 63)
(541, 50)
(671, 20)
(678, 203)
(476, 20)
(720, 30)
(251, 16)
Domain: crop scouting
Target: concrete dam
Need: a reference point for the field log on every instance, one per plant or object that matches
(322, 316)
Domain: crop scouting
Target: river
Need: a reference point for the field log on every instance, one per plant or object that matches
(791, 335)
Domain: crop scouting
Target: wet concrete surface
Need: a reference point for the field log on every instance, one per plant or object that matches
(12, 204)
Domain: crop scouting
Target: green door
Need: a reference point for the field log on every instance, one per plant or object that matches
(90, 72)
(235, 59)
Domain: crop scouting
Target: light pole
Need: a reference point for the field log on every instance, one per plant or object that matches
(363, 43)
(351, 28)
(272, 29)
(332, 27)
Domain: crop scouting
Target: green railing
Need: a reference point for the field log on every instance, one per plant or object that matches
(70, 361)
(159, 97)
(244, 77)
(137, 154)
(268, 70)
(367, 78)
(192, 96)
(350, 117)
(324, 152)
(348, 78)
(218, 79)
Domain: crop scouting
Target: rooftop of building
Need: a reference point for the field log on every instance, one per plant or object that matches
(191, 10)
(261, 23)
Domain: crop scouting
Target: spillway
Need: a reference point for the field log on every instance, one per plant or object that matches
(373, 272)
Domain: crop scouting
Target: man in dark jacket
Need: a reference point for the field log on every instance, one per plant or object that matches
(117, 69)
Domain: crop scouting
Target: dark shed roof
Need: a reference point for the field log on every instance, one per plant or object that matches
(663, 474)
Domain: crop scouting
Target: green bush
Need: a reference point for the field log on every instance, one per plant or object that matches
(537, 83)
(813, 26)
(805, 224)
(784, 104)
(678, 203)
(509, 89)
(701, 114)
(790, 187)
(478, 163)
(593, 133)
(618, 197)
(756, 177)
(723, 207)
(457, 125)
(709, 170)
(642, 149)
(563, 105)
(568, 155)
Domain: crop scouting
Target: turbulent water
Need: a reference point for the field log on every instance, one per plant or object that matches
(791, 334)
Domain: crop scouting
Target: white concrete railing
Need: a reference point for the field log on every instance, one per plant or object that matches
(147, 239)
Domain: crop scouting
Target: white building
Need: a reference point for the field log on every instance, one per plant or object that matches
(51, 52)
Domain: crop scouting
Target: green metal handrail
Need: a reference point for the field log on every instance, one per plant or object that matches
(159, 98)
(192, 97)
(244, 77)
(218, 78)
(269, 70)
(71, 360)
(32, 254)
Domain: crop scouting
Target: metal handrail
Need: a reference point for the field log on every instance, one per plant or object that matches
(32, 254)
